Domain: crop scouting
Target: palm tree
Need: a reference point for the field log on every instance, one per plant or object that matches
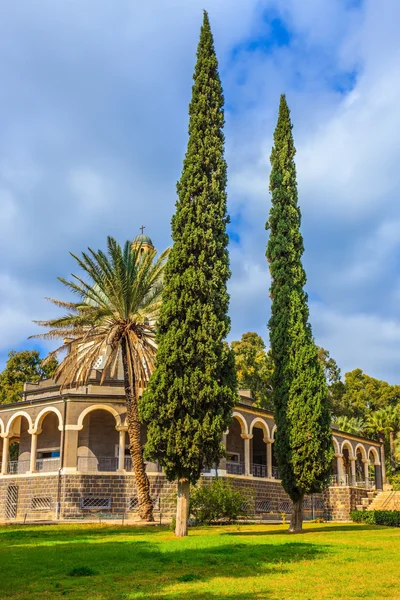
(393, 423)
(114, 318)
(354, 425)
(377, 426)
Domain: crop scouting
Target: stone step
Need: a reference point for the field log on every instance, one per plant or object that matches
(365, 501)
(360, 507)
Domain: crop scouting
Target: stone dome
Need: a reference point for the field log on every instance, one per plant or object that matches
(142, 239)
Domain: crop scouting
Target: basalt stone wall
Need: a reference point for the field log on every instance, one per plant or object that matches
(339, 501)
(28, 497)
(113, 494)
(87, 495)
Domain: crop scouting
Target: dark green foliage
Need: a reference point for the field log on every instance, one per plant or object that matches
(304, 441)
(216, 502)
(22, 367)
(390, 518)
(188, 403)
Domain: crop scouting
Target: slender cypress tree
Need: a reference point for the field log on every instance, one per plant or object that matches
(304, 441)
(188, 402)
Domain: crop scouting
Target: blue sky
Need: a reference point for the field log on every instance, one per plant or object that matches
(93, 115)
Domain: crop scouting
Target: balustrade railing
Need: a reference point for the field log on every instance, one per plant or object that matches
(350, 480)
(235, 468)
(109, 464)
(275, 473)
(259, 470)
(47, 465)
(18, 467)
(93, 464)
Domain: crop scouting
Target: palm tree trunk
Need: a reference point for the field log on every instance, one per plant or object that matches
(392, 458)
(135, 447)
(383, 457)
(296, 522)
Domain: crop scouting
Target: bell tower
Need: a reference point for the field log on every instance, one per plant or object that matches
(142, 241)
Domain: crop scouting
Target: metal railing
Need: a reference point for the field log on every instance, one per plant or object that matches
(104, 464)
(235, 468)
(93, 464)
(18, 467)
(350, 480)
(275, 473)
(47, 465)
(259, 470)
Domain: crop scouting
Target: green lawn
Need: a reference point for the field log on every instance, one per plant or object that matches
(102, 562)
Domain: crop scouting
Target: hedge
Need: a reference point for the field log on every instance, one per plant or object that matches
(377, 517)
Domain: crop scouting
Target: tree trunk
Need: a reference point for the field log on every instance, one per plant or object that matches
(392, 458)
(135, 447)
(383, 457)
(296, 522)
(182, 508)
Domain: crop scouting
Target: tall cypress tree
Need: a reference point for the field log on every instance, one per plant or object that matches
(188, 402)
(304, 440)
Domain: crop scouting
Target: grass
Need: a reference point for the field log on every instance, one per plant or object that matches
(102, 562)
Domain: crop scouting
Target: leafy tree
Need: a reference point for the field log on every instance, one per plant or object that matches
(329, 365)
(363, 394)
(115, 317)
(22, 367)
(188, 403)
(303, 441)
(254, 368)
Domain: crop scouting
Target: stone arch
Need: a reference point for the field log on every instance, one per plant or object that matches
(273, 432)
(105, 407)
(1, 426)
(336, 445)
(347, 444)
(42, 415)
(262, 425)
(20, 413)
(242, 421)
(361, 447)
(375, 453)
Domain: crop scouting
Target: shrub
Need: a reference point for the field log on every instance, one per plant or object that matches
(216, 502)
(395, 481)
(390, 518)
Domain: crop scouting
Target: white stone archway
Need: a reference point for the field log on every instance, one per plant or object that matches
(242, 421)
(20, 413)
(42, 415)
(105, 407)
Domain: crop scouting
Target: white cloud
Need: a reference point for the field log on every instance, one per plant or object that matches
(94, 127)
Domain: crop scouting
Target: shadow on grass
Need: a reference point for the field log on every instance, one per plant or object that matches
(141, 569)
(319, 529)
(21, 534)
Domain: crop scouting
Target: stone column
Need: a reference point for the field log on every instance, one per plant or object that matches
(32, 467)
(353, 471)
(121, 451)
(366, 472)
(269, 457)
(6, 452)
(247, 459)
(339, 458)
(70, 448)
(222, 464)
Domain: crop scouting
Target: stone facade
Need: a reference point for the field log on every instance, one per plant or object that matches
(73, 459)
(339, 501)
(88, 495)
